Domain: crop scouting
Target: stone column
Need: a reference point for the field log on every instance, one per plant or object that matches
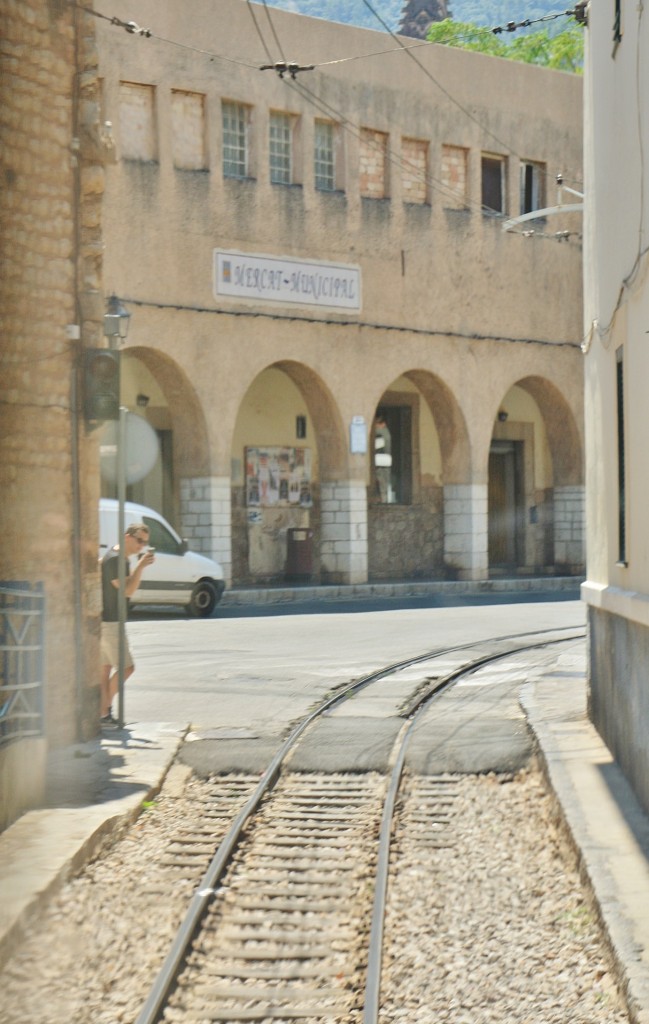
(569, 527)
(205, 515)
(466, 530)
(343, 543)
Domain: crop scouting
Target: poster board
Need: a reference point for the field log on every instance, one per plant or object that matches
(278, 476)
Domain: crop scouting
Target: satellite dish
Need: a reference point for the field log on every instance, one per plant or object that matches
(142, 449)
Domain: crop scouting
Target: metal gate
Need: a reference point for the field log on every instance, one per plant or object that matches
(22, 627)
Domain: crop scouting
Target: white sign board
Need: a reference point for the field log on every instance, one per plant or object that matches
(285, 279)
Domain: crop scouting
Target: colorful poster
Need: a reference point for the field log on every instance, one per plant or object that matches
(278, 476)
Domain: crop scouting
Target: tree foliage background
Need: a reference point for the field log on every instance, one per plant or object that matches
(488, 13)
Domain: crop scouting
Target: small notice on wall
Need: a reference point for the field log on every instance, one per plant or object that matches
(278, 476)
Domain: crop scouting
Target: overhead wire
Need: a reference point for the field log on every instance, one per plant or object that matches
(399, 161)
(431, 77)
(437, 185)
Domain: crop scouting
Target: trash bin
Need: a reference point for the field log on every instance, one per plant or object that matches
(299, 554)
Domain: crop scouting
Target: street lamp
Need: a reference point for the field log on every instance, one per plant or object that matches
(116, 320)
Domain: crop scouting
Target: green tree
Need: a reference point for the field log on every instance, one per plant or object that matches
(563, 51)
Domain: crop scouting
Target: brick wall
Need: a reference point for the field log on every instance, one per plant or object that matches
(414, 153)
(373, 164)
(50, 204)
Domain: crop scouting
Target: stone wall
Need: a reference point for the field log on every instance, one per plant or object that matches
(618, 696)
(50, 203)
(407, 541)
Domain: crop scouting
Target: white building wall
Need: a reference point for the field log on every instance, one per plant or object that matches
(616, 313)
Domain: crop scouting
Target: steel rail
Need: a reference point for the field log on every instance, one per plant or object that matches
(371, 1003)
(154, 1003)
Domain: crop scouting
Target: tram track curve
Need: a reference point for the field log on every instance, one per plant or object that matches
(471, 657)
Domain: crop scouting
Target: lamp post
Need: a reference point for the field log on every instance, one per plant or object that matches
(116, 321)
(116, 324)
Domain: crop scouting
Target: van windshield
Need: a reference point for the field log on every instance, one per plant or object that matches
(160, 538)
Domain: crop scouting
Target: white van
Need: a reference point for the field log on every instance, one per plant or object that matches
(178, 576)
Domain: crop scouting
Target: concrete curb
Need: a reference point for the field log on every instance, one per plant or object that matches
(606, 826)
(44, 848)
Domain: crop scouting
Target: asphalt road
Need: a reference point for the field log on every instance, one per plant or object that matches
(248, 677)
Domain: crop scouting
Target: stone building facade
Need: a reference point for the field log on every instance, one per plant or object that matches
(300, 252)
(50, 295)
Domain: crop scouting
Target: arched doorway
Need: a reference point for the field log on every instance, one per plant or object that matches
(288, 451)
(157, 389)
(414, 516)
(535, 491)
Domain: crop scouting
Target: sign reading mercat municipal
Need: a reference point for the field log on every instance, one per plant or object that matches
(286, 279)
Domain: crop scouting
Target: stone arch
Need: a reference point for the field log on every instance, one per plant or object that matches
(562, 431)
(420, 510)
(535, 482)
(309, 494)
(329, 428)
(450, 423)
(191, 445)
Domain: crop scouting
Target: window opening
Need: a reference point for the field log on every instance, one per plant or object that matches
(280, 149)
(393, 455)
(532, 180)
(323, 156)
(235, 140)
(493, 184)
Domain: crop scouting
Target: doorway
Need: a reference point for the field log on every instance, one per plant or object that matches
(506, 510)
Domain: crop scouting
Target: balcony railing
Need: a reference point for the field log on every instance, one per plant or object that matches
(22, 627)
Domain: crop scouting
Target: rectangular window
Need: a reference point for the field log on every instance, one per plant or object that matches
(414, 173)
(281, 149)
(494, 183)
(532, 186)
(137, 121)
(621, 458)
(324, 156)
(236, 121)
(188, 130)
(374, 164)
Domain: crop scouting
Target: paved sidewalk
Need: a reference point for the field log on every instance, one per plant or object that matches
(105, 783)
(95, 789)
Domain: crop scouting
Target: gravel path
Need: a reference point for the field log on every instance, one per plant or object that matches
(495, 928)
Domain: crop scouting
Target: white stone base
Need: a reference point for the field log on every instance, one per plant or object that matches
(343, 521)
(569, 524)
(205, 514)
(466, 539)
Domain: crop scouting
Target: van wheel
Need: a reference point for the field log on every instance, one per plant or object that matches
(203, 600)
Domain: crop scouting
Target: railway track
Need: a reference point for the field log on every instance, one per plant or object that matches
(287, 921)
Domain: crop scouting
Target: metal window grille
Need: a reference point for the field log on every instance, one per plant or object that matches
(235, 140)
(22, 627)
(280, 149)
(323, 157)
